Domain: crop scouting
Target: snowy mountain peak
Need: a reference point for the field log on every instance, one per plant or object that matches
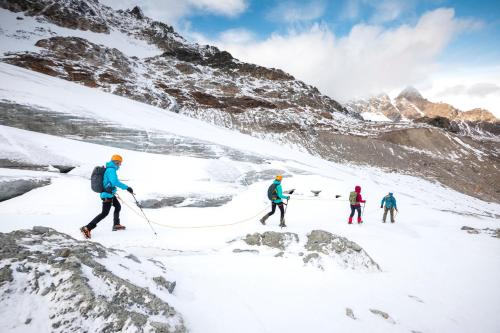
(411, 94)
(137, 13)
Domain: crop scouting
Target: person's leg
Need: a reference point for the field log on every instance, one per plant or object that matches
(358, 208)
(392, 215)
(265, 217)
(353, 209)
(385, 214)
(116, 214)
(273, 209)
(282, 215)
(106, 206)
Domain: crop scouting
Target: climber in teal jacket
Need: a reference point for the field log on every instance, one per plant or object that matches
(110, 182)
(390, 205)
(279, 191)
(275, 194)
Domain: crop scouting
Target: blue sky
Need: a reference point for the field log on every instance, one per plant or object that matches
(357, 48)
(262, 18)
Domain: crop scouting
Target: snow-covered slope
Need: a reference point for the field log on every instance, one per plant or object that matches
(424, 271)
(130, 55)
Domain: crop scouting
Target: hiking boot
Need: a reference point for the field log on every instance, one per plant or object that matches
(264, 218)
(360, 220)
(117, 227)
(86, 232)
(282, 223)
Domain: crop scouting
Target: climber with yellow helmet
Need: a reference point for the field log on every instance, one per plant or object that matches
(275, 194)
(107, 193)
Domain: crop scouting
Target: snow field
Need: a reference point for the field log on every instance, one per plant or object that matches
(450, 275)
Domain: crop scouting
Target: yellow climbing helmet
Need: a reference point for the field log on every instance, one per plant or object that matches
(279, 177)
(117, 158)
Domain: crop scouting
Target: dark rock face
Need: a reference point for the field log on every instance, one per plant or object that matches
(63, 271)
(16, 187)
(137, 13)
(440, 122)
(73, 14)
(84, 60)
(463, 127)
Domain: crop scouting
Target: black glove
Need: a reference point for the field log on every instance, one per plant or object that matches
(130, 190)
(381, 206)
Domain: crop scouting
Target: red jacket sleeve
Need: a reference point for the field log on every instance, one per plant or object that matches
(359, 198)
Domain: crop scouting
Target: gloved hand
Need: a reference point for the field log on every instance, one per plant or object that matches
(381, 206)
(288, 198)
(130, 190)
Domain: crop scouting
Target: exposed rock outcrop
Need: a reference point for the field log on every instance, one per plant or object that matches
(345, 252)
(80, 293)
(277, 240)
(322, 248)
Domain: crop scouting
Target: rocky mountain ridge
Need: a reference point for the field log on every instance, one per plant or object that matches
(411, 105)
(71, 40)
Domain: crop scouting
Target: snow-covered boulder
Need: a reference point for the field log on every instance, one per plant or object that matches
(48, 279)
(343, 251)
(277, 240)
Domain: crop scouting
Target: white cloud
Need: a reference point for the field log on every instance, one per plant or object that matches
(389, 10)
(466, 88)
(238, 36)
(171, 11)
(381, 10)
(369, 60)
(293, 11)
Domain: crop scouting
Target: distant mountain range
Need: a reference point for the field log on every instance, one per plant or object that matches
(411, 105)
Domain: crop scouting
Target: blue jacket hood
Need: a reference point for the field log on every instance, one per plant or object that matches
(277, 182)
(112, 165)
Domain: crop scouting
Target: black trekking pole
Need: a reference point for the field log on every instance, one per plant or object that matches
(290, 192)
(137, 203)
(363, 210)
(286, 206)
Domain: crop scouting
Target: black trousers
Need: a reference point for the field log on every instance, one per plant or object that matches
(273, 209)
(106, 207)
(353, 210)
